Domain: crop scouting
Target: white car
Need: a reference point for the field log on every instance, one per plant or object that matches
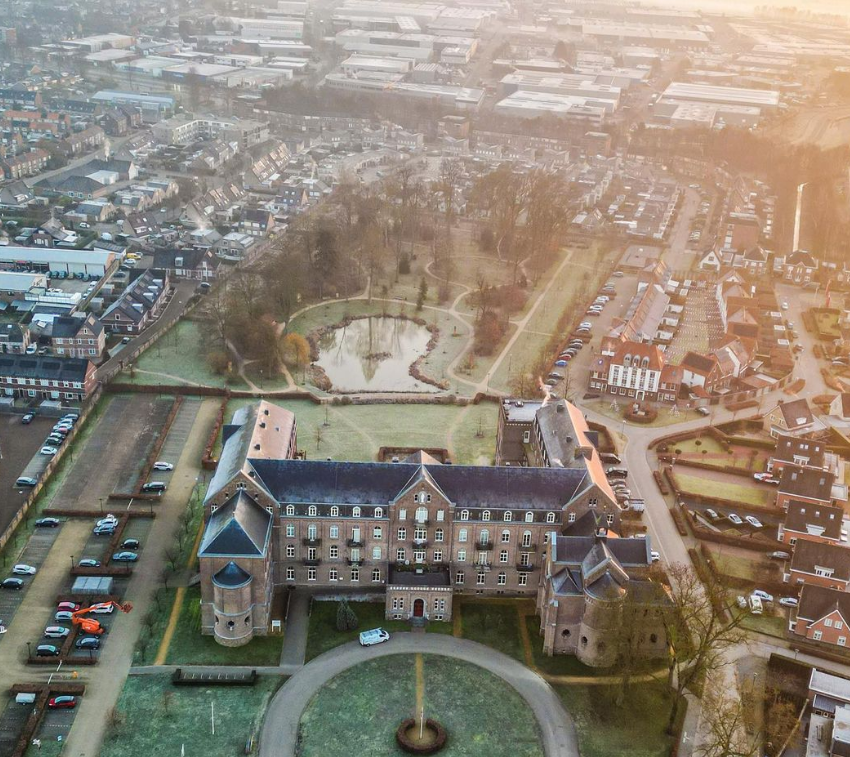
(762, 476)
(785, 306)
(753, 521)
(102, 609)
(109, 520)
(56, 632)
(51, 451)
(160, 465)
(736, 519)
(585, 325)
(375, 636)
(762, 595)
(788, 601)
(23, 570)
(655, 556)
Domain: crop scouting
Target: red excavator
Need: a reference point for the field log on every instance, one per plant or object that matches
(90, 625)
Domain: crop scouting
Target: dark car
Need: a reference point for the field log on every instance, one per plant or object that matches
(12, 583)
(130, 544)
(154, 486)
(28, 418)
(88, 642)
(47, 523)
(46, 650)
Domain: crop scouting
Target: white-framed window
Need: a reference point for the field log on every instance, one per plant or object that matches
(419, 555)
(839, 625)
(290, 550)
(526, 538)
(550, 517)
(376, 575)
(503, 579)
(461, 555)
(290, 530)
(525, 558)
(464, 514)
(817, 635)
(311, 574)
(441, 515)
(402, 513)
(334, 512)
(290, 574)
(379, 512)
(546, 538)
(355, 512)
(355, 575)
(609, 519)
(333, 574)
(506, 536)
(459, 577)
(529, 517)
(402, 534)
(824, 572)
(311, 511)
(508, 516)
(377, 532)
(485, 515)
(420, 534)
(462, 535)
(438, 534)
(593, 502)
(399, 554)
(484, 536)
(571, 518)
(522, 579)
(421, 514)
(503, 556)
(438, 555)
(290, 509)
(376, 553)
(333, 552)
(828, 622)
(480, 578)
(333, 532)
(842, 641)
(312, 531)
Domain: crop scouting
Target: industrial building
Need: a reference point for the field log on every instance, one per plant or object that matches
(536, 104)
(755, 98)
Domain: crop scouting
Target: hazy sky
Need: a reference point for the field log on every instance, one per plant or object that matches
(745, 6)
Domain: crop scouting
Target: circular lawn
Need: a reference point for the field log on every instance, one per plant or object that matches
(358, 712)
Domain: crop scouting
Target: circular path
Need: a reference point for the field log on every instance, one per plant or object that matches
(280, 727)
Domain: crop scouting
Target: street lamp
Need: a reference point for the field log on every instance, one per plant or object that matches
(72, 562)
(29, 649)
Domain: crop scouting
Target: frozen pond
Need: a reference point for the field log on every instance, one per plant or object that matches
(374, 354)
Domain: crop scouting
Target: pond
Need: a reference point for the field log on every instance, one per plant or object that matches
(374, 354)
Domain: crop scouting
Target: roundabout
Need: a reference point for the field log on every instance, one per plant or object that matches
(355, 700)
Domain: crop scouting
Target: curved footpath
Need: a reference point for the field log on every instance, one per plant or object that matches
(280, 727)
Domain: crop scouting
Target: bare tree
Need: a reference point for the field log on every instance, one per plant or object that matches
(725, 731)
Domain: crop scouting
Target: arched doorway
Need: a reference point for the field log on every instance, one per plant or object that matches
(418, 608)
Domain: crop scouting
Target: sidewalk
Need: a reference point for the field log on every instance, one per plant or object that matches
(295, 634)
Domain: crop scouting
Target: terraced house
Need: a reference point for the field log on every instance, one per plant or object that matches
(417, 531)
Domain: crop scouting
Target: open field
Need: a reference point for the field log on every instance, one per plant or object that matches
(825, 127)
(746, 494)
(356, 432)
(708, 451)
(493, 624)
(482, 714)
(154, 717)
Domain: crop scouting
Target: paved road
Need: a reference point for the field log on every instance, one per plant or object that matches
(280, 728)
(297, 625)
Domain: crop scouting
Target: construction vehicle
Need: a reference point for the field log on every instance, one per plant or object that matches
(90, 625)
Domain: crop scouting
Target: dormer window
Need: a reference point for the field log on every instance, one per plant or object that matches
(334, 512)
(355, 512)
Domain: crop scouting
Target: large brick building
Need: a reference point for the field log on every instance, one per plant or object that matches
(417, 531)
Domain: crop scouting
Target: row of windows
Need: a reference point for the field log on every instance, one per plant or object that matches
(439, 604)
(419, 555)
(41, 382)
(421, 515)
(333, 574)
(421, 534)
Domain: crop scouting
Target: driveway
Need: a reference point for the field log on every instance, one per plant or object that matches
(280, 729)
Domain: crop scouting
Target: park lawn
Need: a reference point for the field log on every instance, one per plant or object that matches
(745, 494)
(159, 718)
(770, 625)
(322, 634)
(635, 729)
(178, 357)
(483, 715)
(494, 624)
(356, 432)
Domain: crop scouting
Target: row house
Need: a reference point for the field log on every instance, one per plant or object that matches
(138, 305)
(85, 141)
(819, 564)
(821, 523)
(802, 452)
(78, 337)
(46, 378)
(702, 374)
(14, 339)
(822, 615)
(256, 222)
(26, 164)
(811, 485)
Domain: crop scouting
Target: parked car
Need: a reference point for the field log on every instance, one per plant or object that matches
(753, 521)
(47, 523)
(160, 465)
(712, 514)
(102, 609)
(704, 411)
(586, 325)
(69, 606)
(108, 520)
(62, 616)
(610, 457)
(655, 556)
(555, 375)
(56, 632)
(733, 518)
(788, 601)
(88, 562)
(125, 557)
(66, 702)
(375, 636)
(54, 440)
(741, 602)
(88, 642)
(12, 583)
(22, 569)
(154, 486)
(561, 363)
(762, 595)
(780, 555)
(130, 544)
(756, 607)
(26, 481)
(618, 472)
(28, 418)
(46, 650)
(106, 530)
(762, 476)
(50, 451)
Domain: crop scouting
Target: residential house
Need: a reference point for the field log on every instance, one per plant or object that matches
(702, 374)
(840, 406)
(26, 164)
(812, 485)
(82, 142)
(821, 522)
(793, 418)
(138, 305)
(790, 450)
(819, 564)
(633, 371)
(16, 195)
(823, 615)
(199, 264)
(799, 267)
(234, 246)
(14, 339)
(257, 222)
(78, 335)
(710, 261)
(47, 378)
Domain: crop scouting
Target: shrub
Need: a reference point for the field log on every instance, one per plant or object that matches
(219, 362)
(346, 619)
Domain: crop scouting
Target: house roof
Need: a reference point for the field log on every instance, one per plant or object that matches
(696, 363)
(51, 368)
(231, 576)
(787, 447)
(810, 554)
(808, 483)
(817, 602)
(796, 414)
(69, 326)
(638, 351)
(818, 520)
(845, 404)
(803, 258)
(239, 527)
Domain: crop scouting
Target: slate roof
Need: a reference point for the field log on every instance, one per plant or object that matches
(69, 326)
(808, 554)
(817, 602)
(797, 414)
(331, 482)
(571, 550)
(231, 576)
(49, 368)
(239, 527)
(787, 446)
(825, 519)
(809, 483)
(696, 363)
(409, 578)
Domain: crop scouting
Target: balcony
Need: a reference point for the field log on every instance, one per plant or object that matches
(426, 522)
(527, 547)
(311, 542)
(354, 563)
(421, 543)
(312, 561)
(525, 568)
(354, 543)
(483, 546)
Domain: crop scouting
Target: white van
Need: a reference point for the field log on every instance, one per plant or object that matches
(756, 607)
(375, 636)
